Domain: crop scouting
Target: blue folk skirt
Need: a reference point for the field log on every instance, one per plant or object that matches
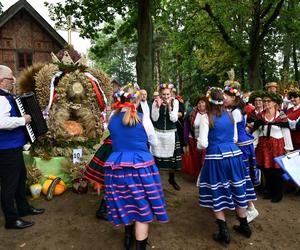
(134, 194)
(225, 184)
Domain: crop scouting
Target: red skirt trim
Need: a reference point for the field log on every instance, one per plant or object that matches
(192, 161)
(267, 149)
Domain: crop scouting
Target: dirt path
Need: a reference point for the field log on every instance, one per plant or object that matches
(70, 223)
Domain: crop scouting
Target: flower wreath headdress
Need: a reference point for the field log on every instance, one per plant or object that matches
(209, 98)
(166, 86)
(128, 95)
(231, 86)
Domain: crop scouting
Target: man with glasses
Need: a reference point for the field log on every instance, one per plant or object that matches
(12, 167)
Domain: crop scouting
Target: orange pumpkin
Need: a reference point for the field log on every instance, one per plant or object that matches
(59, 188)
(73, 128)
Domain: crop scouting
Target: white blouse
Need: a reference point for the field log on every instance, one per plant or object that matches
(6, 121)
(277, 133)
(202, 140)
(173, 113)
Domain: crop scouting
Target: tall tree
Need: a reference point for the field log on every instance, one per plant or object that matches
(117, 60)
(258, 17)
(89, 16)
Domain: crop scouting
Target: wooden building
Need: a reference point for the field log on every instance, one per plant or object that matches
(26, 37)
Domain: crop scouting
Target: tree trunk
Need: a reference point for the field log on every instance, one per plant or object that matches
(295, 62)
(254, 76)
(144, 62)
(157, 67)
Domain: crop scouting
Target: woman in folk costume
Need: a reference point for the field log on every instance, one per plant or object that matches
(193, 164)
(133, 188)
(274, 140)
(293, 115)
(164, 115)
(242, 138)
(224, 180)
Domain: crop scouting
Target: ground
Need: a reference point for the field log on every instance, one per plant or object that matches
(70, 223)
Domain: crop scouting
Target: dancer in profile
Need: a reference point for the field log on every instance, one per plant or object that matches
(243, 139)
(133, 190)
(224, 179)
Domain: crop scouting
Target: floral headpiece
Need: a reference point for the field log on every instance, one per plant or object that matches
(209, 98)
(117, 95)
(166, 86)
(232, 90)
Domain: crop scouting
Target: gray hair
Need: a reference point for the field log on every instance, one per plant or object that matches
(4, 70)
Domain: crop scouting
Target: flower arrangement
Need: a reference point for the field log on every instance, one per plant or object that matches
(74, 170)
(209, 98)
(232, 90)
(34, 175)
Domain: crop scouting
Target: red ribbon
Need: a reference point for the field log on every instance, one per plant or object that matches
(98, 94)
(119, 105)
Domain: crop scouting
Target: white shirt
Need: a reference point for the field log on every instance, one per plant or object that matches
(145, 108)
(202, 140)
(148, 126)
(277, 133)
(237, 117)
(7, 122)
(173, 113)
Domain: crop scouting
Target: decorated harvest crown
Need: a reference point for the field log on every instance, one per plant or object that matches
(210, 99)
(129, 91)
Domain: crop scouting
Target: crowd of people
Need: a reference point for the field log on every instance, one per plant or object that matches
(223, 140)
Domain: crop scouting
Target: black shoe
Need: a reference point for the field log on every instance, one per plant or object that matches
(129, 237)
(18, 224)
(277, 198)
(243, 228)
(223, 234)
(32, 211)
(101, 212)
(174, 184)
(141, 244)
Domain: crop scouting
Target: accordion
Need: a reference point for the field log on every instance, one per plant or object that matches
(28, 104)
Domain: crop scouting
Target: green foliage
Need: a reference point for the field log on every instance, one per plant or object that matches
(114, 55)
(195, 41)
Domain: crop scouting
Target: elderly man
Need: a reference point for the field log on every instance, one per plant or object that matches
(272, 87)
(144, 106)
(12, 167)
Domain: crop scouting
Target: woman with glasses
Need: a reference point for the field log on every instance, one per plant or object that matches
(274, 140)
(293, 115)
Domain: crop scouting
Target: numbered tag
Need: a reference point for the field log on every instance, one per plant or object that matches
(77, 155)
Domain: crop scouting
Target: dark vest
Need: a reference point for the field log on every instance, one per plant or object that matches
(14, 138)
(164, 122)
